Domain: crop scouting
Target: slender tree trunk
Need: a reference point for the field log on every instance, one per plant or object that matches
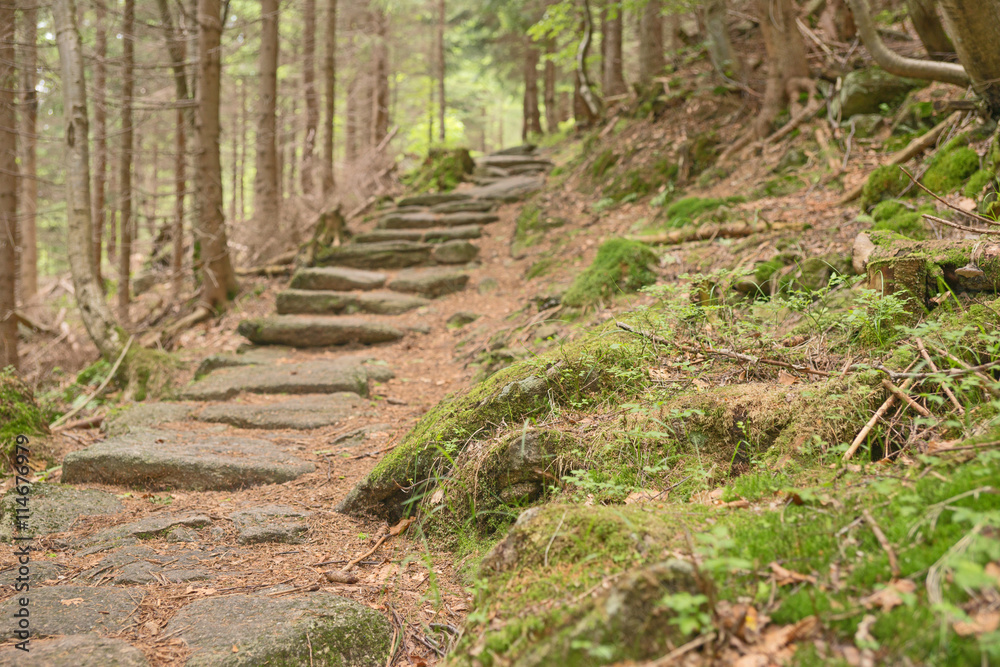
(29, 186)
(720, 48)
(583, 86)
(351, 138)
(551, 111)
(970, 22)
(651, 58)
(235, 160)
(311, 95)
(180, 185)
(330, 99)
(442, 102)
(243, 153)
(532, 119)
(266, 204)
(96, 315)
(125, 164)
(99, 218)
(218, 281)
(787, 68)
(8, 189)
(380, 89)
(927, 23)
(614, 78)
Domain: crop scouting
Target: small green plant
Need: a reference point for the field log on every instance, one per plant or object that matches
(879, 315)
(690, 614)
(621, 265)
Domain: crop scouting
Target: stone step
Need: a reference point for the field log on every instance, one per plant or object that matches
(316, 331)
(105, 610)
(83, 650)
(523, 149)
(430, 283)
(316, 376)
(508, 161)
(337, 278)
(430, 220)
(432, 199)
(462, 232)
(399, 254)
(313, 302)
(182, 460)
(508, 189)
(467, 206)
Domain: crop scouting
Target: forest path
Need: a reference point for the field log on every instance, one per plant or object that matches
(198, 531)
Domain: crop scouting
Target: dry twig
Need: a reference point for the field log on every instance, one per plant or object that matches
(884, 542)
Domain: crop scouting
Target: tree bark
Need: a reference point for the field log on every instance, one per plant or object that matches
(837, 21)
(241, 213)
(96, 315)
(330, 99)
(351, 122)
(929, 28)
(651, 58)
(551, 110)
(8, 189)
(584, 86)
(720, 48)
(532, 121)
(266, 203)
(212, 263)
(970, 22)
(98, 217)
(896, 64)
(311, 95)
(29, 187)
(125, 163)
(442, 103)
(611, 47)
(787, 68)
(380, 89)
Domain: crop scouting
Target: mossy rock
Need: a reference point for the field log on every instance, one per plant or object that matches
(948, 172)
(977, 183)
(19, 413)
(886, 182)
(892, 215)
(865, 91)
(442, 171)
(691, 209)
(621, 266)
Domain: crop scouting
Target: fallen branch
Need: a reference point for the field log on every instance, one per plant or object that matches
(866, 429)
(34, 325)
(884, 542)
(86, 422)
(903, 396)
(114, 369)
(200, 314)
(991, 384)
(930, 362)
(731, 230)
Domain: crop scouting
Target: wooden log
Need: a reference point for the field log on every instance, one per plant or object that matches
(728, 230)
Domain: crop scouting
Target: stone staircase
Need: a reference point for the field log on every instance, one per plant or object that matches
(420, 249)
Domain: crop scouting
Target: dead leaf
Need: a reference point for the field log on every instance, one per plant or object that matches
(787, 379)
(641, 496)
(784, 576)
(235, 649)
(437, 496)
(780, 637)
(340, 577)
(863, 636)
(72, 602)
(981, 623)
(401, 526)
(889, 597)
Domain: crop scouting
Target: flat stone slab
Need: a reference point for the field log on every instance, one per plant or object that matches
(430, 283)
(317, 331)
(74, 610)
(317, 629)
(318, 376)
(504, 161)
(337, 278)
(438, 235)
(146, 415)
(468, 206)
(138, 566)
(182, 460)
(508, 189)
(54, 508)
(87, 650)
(431, 199)
(40, 570)
(271, 523)
(317, 302)
(455, 252)
(432, 220)
(523, 149)
(295, 413)
(248, 357)
(148, 528)
(382, 255)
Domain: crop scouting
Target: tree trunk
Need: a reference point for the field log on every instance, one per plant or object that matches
(125, 163)
(837, 21)
(442, 104)
(720, 48)
(29, 186)
(8, 189)
(96, 315)
(611, 47)
(551, 111)
(532, 119)
(584, 87)
(330, 100)
(787, 68)
(243, 153)
(180, 185)
(651, 59)
(928, 25)
(970, 22)
(896, 64)
(98, 217)
(380, 88)
(311, 95)
(218, 281)
(266, 204)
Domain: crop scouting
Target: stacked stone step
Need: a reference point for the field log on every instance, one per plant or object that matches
(517, 161)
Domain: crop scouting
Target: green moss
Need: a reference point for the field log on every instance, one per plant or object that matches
(641, 181)
(443, 169)
(949, 171)
(602, 163)
(887, 209)
(19, 413)
(894, 217)
(689, 209)
(886, 182)
(979, 180)
(620, 266)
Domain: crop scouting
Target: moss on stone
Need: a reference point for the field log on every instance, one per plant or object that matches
(949, 171)
(621, 266)
(442, 171)
(886, 182)
(19, 413)
(690, 209)
(974, 186)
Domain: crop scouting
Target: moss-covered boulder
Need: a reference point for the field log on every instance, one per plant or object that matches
(443, 169)
(19, 413)
(949, 171)
(886, 182)
(621, 266)
(865, 91)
